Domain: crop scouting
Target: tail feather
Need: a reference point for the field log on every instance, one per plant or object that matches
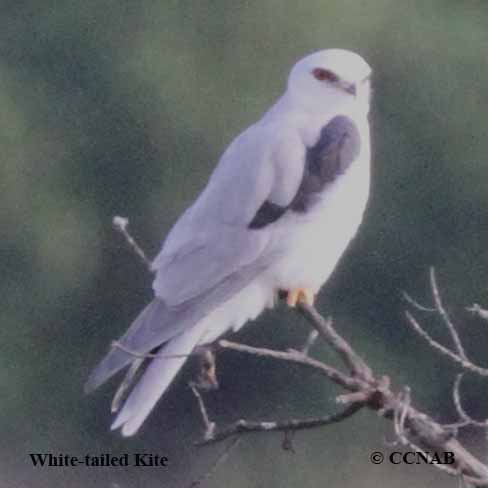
(176, 331)
(155, 380)
(155, 325)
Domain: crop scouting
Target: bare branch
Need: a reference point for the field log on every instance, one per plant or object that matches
(479, 311)
(416, 304)
(445, 316)
(465, 418)
(347, 354)
(146, 355)
(412, 427)
(209, 426)
(247, 426)
(311, 339)
(400, 416)
(121, 224)
(466, 364)
(296, 357)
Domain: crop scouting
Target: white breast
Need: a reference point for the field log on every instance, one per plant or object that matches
(311, 245)
(307, 247)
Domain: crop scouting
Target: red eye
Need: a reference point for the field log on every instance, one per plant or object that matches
(322, 74)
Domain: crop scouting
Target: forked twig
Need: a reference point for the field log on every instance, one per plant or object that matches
(247, 426)
(464, 363)
(363, 388)
(445, 316)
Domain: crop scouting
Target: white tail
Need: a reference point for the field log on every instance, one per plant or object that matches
(155, 380)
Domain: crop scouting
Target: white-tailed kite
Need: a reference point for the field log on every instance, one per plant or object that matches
(276, 215)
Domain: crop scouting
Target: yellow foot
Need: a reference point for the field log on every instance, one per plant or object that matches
(300, 295)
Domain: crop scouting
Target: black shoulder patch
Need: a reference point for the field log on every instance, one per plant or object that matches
(337, 147)
(268, 212)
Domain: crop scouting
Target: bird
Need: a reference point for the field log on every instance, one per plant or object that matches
(277, 213)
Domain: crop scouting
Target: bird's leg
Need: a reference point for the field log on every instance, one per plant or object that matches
(207, 371)
(297, 295)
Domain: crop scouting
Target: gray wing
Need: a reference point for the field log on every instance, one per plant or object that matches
(211, 254)
(214, 239)
(336, 149)
(158, 323)
(223, 241)
(230, 247)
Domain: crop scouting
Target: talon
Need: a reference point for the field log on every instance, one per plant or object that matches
(297, 295)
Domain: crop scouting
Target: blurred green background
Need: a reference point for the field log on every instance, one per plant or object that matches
(121, 107)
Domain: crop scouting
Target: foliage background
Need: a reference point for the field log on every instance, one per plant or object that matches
(120, 107)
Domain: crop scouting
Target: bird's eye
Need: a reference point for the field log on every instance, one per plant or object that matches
(322, 74)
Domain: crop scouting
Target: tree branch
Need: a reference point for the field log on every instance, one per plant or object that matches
(324, 327)
(464, 363)
(479, 311)
(121, 224)
(296, 357)
(247, 426)
(445, 316)
(363, 389)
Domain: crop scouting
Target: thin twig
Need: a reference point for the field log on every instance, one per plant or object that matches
(247, 426)
(311, 339)
(366, 389)
(121, 224)
(445, 316)
(400, 416)
(457, 399)
(146, 355)
(416, 304)
(466, 364)
(209, 426)
(297, 357)
(478, 310)
(467, 419)
(324, 327)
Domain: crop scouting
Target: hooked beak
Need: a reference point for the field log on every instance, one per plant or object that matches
(352, 88)
(348, 87)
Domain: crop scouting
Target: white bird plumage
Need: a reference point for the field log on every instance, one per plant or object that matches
(247, 236)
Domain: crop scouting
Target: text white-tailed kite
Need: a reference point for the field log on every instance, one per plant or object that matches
(278, 211)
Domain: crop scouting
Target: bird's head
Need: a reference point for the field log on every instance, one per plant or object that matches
(326, 78)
